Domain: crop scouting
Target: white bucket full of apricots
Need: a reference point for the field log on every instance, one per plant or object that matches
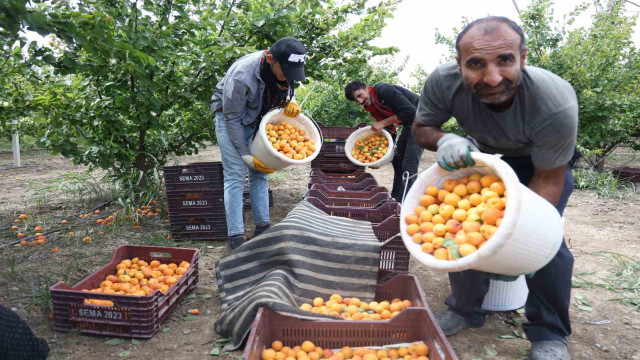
(479, 218)
(283, 141)
(365, 147)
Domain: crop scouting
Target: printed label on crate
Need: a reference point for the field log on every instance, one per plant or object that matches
(195, 203)
(197, 227)
(84, 312)
(190, 178)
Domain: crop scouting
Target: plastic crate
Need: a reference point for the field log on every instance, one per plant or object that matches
(394, 256)
(373, 202)
(199, 227)
(316, 172)
(338, 132)
(320, 176)
(347, 185)
(374, 216)
(334, 165)
(333, 149)
(626, 173)
(410, 325)
(190, 202)
(131, 316)
(331, 192)
(204, 175)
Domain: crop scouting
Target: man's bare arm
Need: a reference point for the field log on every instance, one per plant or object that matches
(549, 183)
(427, 136)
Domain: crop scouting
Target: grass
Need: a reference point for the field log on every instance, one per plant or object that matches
(604, 184)
(40, 296)
(76, 185)
(624, 282)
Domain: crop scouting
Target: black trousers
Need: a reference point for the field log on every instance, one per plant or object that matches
(547, 306)
(406, 158)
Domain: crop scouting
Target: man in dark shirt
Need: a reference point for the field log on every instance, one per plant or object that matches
(392, 105)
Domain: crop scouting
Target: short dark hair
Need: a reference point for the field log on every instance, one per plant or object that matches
(489, 19)
(352, 87)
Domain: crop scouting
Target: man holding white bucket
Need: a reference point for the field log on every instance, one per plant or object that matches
(253, 85)
(392, 105)
(531, 117)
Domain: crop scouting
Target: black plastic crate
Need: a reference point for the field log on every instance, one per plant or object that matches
(204, 175)
(201, 227)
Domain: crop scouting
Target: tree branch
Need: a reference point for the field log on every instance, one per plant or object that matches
(233, 3)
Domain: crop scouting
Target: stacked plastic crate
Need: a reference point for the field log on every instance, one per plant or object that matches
(340, 188)
(195, 193)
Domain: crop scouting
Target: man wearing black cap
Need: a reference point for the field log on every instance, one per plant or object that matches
(253, 85)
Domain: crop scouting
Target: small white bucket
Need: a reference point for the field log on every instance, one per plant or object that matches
(528, 238)
(506, 295)
(364, 132)
(261, 147)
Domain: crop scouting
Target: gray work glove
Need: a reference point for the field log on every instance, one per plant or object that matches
(454, 152)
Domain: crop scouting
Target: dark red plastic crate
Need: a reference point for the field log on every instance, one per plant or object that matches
(189, 202)
(334, 165)
(373, 202)
(338, 132)
(626, 173)
(331, 192)
(131, 316)
(359, 186)
(394, 256)
(374, 216)
(321, 177)
(316, 172)
(410, 325)
(204, 175)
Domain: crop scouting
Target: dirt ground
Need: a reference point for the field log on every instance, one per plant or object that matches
(592, 224)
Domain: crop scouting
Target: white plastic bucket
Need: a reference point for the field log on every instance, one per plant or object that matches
(261, 147)
(364, 132)
(528, 238)
(506, 295)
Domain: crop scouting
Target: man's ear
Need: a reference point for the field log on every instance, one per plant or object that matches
(269, 58)
(523, 57)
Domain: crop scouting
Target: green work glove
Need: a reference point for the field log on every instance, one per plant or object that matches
(454, 152)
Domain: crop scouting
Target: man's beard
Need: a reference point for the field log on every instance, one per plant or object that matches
(496, 95)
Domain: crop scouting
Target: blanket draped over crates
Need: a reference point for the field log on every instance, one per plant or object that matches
(309, 254)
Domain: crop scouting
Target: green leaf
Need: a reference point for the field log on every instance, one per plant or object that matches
(455, 251)
(206, 296)
(191, 296)
(522, 351)
(215, 351)
(135, 342)
(584, 308)
(448, 242)
(516, 321)
(507, 337)
(221, 341)
(114, 341)
(166, 329)
(578, 296)
(124, 353)
(490, 351)
(190, 317)
(520, 311)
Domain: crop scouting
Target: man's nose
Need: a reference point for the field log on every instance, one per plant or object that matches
(492, 76)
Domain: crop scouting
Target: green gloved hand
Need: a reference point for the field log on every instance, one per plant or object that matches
(454, 152)
(291, 109)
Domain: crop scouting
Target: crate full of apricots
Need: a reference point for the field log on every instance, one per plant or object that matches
(413, 334)
(130, 296)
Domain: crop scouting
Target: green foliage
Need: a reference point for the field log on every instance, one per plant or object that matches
(601, 63)
(604, 183)
(327, 103)
(125, 85)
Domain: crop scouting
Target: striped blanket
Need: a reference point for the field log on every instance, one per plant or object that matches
(309, 254)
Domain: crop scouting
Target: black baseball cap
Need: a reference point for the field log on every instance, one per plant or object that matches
(291, 55)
